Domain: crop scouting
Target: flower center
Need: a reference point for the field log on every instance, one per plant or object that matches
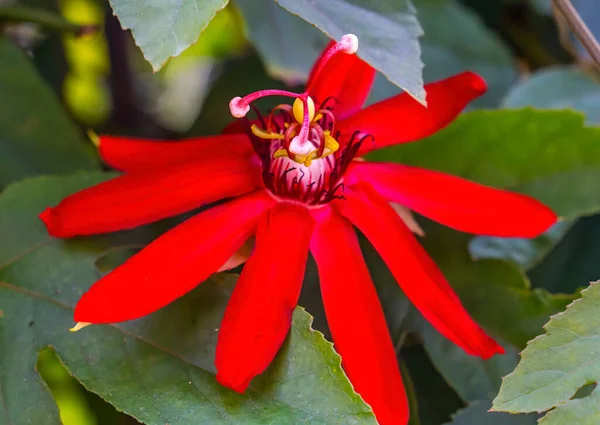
(299, 142)
(301, 157)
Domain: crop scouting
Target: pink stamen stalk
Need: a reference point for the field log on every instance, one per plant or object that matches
(348, 44)
(239, 106)
(306, 121)
(298, 143)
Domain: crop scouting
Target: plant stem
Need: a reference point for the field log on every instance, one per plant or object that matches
(579, 28)
(44, 18)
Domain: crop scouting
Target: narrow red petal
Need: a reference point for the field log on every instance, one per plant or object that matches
(358, 326)
(129, 154)
(346, 78)
(456, 202)
(402, 119)
(173, 264)
(135, 199)
(259, 313)
(418, 276)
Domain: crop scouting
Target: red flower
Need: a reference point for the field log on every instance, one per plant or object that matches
(293, 180)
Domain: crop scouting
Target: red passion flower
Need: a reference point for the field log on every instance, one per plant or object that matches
(295, 180)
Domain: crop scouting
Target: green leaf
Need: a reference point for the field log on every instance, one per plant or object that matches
(36, 136)
(580, 411)
(223, 37)
(477, 413)
(549, 155)
(288, 45)
(558, 88)
(158, 369)
(525, 252)
(165, 28)
(388, 34)
(556, 365)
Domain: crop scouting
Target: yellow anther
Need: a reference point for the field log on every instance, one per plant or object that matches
(330, 143)
(79, 326)
(280, 153)
(259, 132)
(298, 110)
(317, 117)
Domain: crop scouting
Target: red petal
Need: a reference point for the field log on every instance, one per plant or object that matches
(456, 202)
(259, 313)
(132, 200)
(419, 277)
(174, 263)
(401, 119)
(138, 154)
(356, 320)
(347, 78)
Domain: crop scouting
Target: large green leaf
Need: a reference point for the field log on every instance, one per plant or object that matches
(288, 45)
(388, 33)
(477, 414)
(558, 88)
(158, 369)
(549, 155)
(165, 28)
(36, 136)
(555, 366)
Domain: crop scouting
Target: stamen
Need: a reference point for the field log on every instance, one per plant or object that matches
(240, 106)
(348, 44)
(299, 144)
(259, 132)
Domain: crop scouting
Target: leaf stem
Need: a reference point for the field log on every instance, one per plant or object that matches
(44, 18)
(579, 28)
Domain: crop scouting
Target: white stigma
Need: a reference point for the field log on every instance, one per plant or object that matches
(299, 146)
(237, 108)
(349, 44)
